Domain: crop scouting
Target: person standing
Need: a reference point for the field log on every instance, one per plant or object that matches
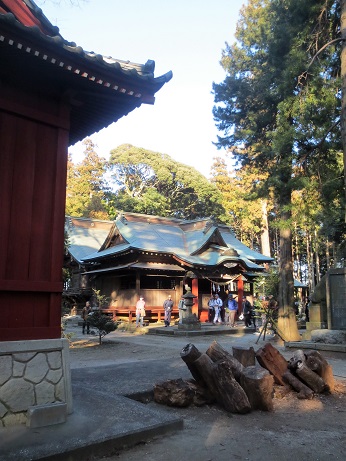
(140, 311)
(247, 311)
(211, 309)
(233, 308)
(85, 316)
(168, 306)
(217, 308)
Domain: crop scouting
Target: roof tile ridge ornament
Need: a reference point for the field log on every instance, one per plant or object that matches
(123, 219)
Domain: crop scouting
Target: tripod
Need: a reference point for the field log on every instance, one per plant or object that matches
(270, 320)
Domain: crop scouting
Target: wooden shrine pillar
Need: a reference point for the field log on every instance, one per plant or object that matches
(240, 293)
(194, 286)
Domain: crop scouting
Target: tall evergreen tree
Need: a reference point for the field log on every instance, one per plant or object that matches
(86, 185)
(269, 119)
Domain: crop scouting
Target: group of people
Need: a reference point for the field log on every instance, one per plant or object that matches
(218, 311)
(167, 306)
(225, 312)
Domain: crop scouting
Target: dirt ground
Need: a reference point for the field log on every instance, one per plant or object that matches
(297, 430)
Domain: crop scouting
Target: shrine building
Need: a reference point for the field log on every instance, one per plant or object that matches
(151, 256)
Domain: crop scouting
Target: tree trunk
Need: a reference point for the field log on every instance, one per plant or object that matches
(298, 357)
(296, 253)
(271, 359)
(343, 86)
(310, 378)
(316, 362)
(246, 356)
(221, 383)
(317, 259)
(258, 386)
(217, 352)
(287, 322)
(190, 354)
(304, 392)
(175, 393)
(265, 242)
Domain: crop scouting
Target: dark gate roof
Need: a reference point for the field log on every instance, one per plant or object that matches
(100, 89)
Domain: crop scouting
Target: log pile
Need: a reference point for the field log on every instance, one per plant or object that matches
(238, 383)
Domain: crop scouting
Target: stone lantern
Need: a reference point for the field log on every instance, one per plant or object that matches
(189, 320)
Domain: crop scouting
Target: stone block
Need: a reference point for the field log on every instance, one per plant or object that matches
(306, 335)
(46, 415)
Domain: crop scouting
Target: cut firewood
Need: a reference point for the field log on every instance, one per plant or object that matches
(217, 352)
(181, 393)
(175, 393)
(310, 378)
(271, 359)
(304, 392)
(189, 354)
(231, 395)
(220, 381)
(246, 356)
(258, 385)
(316, 362)
(298, 357)
(206, 368)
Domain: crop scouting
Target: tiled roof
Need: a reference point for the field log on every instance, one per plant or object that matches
(86, 236)
(103, 88)
(176, 237)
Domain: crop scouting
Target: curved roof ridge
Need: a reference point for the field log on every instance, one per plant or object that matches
(29, 17)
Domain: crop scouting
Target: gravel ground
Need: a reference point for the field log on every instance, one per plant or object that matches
(299, 430)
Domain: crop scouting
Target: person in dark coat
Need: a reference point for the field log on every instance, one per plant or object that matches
(247, 311)
(168, 306)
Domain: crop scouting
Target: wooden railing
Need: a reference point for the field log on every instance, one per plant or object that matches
(152, 313)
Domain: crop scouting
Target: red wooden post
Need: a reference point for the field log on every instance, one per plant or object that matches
(194, 283)
(240, 294)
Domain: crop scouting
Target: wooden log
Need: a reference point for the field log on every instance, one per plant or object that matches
(175, 393)
(217, 352)
(271, 359)
(246, 356)
(298, 357)
(310, 378)
(258, 385)
(232, 396)
(190, 354)
(206, 367)
(201, 394)
(220, 381)
(316, 362)
(304, 392)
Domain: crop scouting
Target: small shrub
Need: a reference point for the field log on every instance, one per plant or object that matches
(102, 323)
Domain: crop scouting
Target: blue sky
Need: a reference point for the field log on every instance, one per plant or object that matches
(185, 36)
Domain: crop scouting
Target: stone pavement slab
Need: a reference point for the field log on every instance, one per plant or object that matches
(103, 419)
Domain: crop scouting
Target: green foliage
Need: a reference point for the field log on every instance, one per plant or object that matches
(242, 200)
(86, 185)
(102, 323)
(101, 300)
(269, 284)
(153, 183)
